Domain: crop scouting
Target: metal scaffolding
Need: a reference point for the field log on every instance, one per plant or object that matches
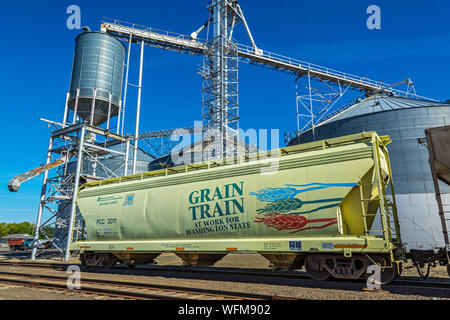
(220, 87)
(85, 149)
(163, 142)
(316, 100)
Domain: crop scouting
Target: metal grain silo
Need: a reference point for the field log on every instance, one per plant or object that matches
(404, 120)
(97, 77)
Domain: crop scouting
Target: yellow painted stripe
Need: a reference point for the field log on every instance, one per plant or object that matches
(350, 246)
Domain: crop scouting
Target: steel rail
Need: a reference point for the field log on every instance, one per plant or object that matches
(399, 286)
(64, 288)
(145, 291)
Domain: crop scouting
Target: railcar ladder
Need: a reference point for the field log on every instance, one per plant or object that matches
(388, 207)
(446, 215)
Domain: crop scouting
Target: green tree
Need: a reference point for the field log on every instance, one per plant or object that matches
(13, 228)
(49, 231)
(2, 229)
(24, 227)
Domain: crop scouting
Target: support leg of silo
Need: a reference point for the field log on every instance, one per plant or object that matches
(93, 107)
(41, 206)
(76, 107)
(127, 154)
(138, 108)
(73, 208)
(66, 110)
(126, 83)
(109, 111)
(118, 117)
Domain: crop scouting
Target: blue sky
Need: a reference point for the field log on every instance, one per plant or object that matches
(37, 50)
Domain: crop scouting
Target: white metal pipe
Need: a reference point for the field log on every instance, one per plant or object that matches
(73, 208)
(126, 83)
(298, 111)
(93, 146)
(195, 34)
(246, 27)
(66, 110)
(127, 154)
(138, 112)
(76, 107)
(311, 105)
(109, 111)
(41, 207)
(233, 23)
(93, 107)
(118, 117)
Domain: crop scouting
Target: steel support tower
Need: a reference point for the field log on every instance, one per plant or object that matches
(220, 89)
(85, 148)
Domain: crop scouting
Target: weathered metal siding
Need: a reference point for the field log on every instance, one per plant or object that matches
(416, 202)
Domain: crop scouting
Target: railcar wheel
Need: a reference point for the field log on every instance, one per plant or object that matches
(110, 262)
(389, 271)
(448, 269)
(83, 261)
(389, 274)
(314, 271)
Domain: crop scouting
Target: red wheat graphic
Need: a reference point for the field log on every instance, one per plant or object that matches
(292, 222)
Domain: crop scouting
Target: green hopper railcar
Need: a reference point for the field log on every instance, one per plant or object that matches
(321, 205)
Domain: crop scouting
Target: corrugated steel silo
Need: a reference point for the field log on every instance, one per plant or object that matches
(98, 68)
(404, 120)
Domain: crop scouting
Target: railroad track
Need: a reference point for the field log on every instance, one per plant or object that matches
(403, 285)
(125, 289)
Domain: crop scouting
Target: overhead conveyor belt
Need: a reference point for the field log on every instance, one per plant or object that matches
(182, 43)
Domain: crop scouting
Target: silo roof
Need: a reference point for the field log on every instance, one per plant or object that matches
(381, 103)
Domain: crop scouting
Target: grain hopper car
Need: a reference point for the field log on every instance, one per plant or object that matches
(437, 141)
(321, 205)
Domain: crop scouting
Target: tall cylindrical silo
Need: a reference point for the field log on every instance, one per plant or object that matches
(97, 77)
(404, 120)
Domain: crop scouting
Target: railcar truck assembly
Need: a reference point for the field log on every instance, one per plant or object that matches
(321, 205)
